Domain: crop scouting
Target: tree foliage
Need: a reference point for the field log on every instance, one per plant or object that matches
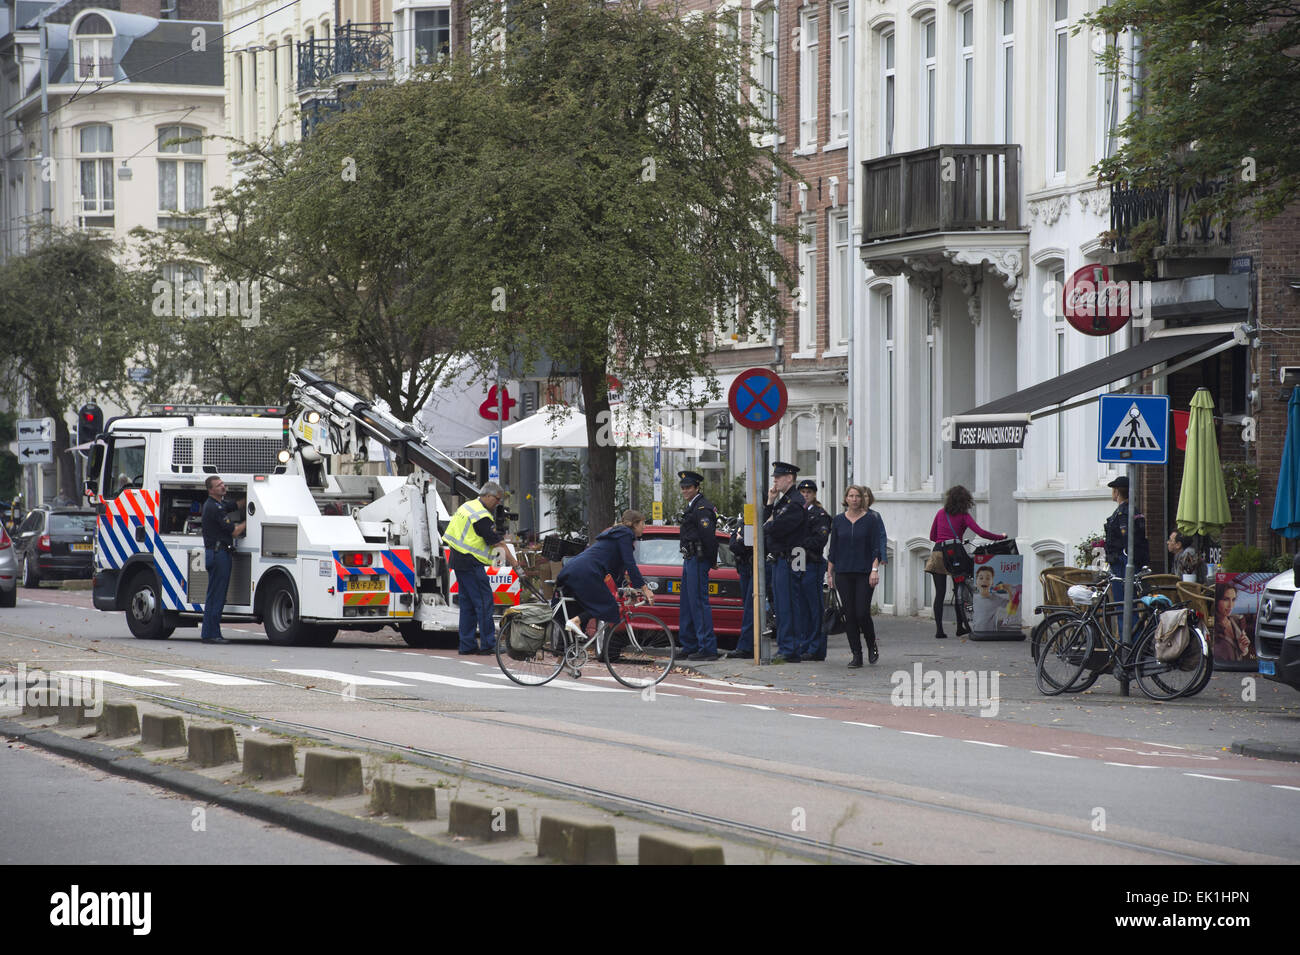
(1220, 83)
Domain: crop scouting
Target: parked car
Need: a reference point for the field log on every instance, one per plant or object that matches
(55, 543)
(658, 554)
(8, 571)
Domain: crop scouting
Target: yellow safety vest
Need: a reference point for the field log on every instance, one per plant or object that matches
(461, 534)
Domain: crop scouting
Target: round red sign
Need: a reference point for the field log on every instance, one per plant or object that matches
(1093, 303)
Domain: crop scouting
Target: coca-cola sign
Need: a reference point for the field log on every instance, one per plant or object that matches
(1094, 304)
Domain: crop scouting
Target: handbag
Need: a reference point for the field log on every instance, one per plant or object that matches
(935, 564)
(833, 615)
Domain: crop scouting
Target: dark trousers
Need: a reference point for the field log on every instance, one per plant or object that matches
(783, 605)
(855, 592)
(218, 564)
(746, 642)
(940, 592)
(695, 623)
(475, 599)
(808, 587)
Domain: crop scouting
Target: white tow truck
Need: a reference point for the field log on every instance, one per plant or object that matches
(1277, 629)
(321, 551)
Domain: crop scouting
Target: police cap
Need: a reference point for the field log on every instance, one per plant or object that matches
(807, 484)
(780, 467)
(690, 478)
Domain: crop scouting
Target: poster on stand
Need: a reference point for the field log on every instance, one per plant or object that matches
(1236, 602)
(996, 589)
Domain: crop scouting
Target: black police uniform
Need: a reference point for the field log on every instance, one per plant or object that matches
(783, 531)
(218, 543)
(809, 585)
(699, 544)
(744, 555)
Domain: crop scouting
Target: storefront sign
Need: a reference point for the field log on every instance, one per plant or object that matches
(1093, 303)
(989, 435)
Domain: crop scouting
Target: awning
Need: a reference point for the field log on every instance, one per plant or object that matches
(1169, 345)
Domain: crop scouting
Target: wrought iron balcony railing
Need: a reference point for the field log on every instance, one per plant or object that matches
(355, 48)
(1170, 209)
(950, 188)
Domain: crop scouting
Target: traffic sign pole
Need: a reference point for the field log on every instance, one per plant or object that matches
(1127, 627)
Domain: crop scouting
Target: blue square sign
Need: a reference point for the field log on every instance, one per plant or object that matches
(1133, 429)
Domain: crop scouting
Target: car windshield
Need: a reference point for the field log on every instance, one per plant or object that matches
(666, 551)
(72, 523)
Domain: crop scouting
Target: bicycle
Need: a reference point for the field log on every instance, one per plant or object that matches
(1072, 647)
(960, 567)
(638, 650)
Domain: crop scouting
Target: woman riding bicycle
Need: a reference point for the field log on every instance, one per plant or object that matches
(612, 554)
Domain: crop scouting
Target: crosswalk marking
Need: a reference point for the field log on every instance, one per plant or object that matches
(348, 679)
(569, 685)
(216, 679)
(120, 679)
(439, 678)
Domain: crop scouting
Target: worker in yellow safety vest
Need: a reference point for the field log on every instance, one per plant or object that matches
(472, 537)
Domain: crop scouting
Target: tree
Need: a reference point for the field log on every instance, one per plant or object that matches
(72, 321)
(1221, 88)
(611, 200)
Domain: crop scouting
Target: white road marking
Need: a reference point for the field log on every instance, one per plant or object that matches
(980, 742)
(802, 716)
(121, 679)
(1223, 779)
(701, 689)
(216, 679)
(915, 733)
(758, 706)
(705, 699)
(870, 726)
(738, 686)
(438, 678)
(1043, 752)
(1132, 765)
(347, 679)
(1292, 788)
(569, 684)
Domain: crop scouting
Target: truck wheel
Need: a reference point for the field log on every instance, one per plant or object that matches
(322, 636)
(144, 611)
(280, 617)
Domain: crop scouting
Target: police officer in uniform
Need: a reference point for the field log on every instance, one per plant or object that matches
(1117, 537)
(809, 581)
(744, 555)
(699, 543)
(784, 529)
(471, 535)
(219, 533)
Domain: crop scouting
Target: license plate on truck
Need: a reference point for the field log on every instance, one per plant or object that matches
(367, 583)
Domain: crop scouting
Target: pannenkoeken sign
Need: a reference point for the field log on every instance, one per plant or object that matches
(988, 435)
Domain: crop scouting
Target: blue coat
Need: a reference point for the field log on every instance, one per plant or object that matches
(855, 544)
(584, 576)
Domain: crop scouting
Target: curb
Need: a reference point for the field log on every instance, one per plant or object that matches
(1283, 752)
(393, 845)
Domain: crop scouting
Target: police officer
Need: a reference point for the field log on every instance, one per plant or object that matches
(784, 529)
(1117, 537)
(699, 543)
(809, 581)
(219, 533)
(744, 555)
(471, 535)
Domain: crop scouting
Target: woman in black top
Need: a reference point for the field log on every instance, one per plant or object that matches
(858, 551)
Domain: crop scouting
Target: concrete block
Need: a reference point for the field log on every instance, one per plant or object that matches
(479, 820)
(71, 714)
(332, 774)
(118, 719)
(404, 800)
(576, 841)
(162, 731)
(213, 745)
(269, 760)
(656, 848)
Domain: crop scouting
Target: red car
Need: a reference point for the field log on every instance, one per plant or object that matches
(659, 557)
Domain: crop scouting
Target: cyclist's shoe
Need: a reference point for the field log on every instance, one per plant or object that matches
(963, 631)
(940, 635)
(703, 656)
(574, 626)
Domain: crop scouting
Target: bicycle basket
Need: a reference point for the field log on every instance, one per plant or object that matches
(552, 548)
(1081, 594)
(528, 624)
(997, 548)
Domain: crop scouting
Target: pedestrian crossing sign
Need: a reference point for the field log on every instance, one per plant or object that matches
(1133, 429)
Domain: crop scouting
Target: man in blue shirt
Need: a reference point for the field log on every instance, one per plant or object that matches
(219, 533)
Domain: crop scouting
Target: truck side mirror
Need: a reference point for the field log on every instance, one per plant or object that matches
(1295, 571)
(91, 490)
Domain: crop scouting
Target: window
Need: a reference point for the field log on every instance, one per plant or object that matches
(1060, 40)
(841, 73)
(931, 384)
(966, 75)
(887, 90)
(841, 275)
(767, 68)
(274, 54)
(1058, 322)
(885, 303)
(237, 96)
(180, 182)
(432, 35)
(808, 52)
(96, 174)
(808, 288)
(1006, 69)
(94, 48)
(928, 91)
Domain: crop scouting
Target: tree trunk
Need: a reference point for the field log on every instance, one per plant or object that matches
(601, 452)
(65, 463)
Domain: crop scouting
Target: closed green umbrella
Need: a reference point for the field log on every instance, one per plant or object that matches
(1202, 503)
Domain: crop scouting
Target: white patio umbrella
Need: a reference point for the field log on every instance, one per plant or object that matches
(626, 430)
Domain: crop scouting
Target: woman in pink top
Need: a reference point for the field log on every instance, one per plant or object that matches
(951, 523)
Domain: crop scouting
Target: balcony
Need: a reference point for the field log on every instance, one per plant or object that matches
(357, 51)
(948, 188)
(1158, 223)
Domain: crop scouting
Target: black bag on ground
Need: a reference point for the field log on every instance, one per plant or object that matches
(833, 615)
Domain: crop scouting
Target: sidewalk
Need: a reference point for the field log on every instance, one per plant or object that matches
(1222, 715)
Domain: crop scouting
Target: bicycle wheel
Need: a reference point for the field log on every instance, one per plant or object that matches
(964, 594)
(1167, 680)
(1199, 635)
(1063, 657)
(1048, 626)
(531, 667)
(639, 651)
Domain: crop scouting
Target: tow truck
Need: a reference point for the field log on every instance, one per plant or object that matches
(321, 552)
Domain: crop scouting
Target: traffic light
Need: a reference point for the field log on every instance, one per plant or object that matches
(90, 422)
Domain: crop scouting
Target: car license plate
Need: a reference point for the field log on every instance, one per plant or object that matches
(367, 583)
(82, 547)
(676, 587)
(1267, 668)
